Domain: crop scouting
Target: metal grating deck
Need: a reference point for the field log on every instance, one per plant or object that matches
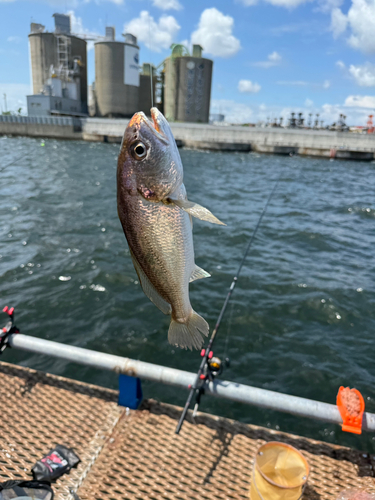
(136, 455)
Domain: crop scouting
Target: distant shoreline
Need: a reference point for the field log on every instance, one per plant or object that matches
(317, 143)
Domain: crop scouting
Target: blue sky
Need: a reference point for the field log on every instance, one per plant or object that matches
(270, 56)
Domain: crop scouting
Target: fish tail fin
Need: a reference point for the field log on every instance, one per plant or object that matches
(188, 335)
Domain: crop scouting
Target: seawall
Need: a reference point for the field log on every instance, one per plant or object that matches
(41, 126)
(321, 143)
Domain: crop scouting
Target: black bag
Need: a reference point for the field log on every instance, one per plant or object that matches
(25, 490)
(53, 465)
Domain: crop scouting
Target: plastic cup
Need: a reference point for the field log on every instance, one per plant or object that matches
(280, 472)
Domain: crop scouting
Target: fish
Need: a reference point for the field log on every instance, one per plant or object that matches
(156, 217)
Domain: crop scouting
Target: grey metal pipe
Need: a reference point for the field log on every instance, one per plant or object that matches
(262, 398)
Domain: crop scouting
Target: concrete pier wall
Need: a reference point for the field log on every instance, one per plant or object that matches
(322, 143)
(41, 126)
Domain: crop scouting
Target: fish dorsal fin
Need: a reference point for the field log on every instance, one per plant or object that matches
(149, 288)
(198, 274)
(197, 211)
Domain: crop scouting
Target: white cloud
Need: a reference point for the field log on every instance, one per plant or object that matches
(326, 84)
(296, 82)
(273, 59)
(363, 75)
(248, 3)
(76, 26)
(290, 4)
(309, 103)
(360, 101)
(246, 86)
(14, 39)
(236, 112)
(328, 5)
(361, 17)
(71, 3)
(361, 21)
(214, 34)
(167, 4)
(16, 96)
(156, 35)
(339, 22)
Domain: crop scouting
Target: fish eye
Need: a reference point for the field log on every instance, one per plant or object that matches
(139, 151)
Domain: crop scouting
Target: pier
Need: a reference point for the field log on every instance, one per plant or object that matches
(283, 141)
(135, 454)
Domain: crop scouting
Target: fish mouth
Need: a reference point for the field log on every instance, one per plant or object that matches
(140, 119)
(154, 115)
(155, 124)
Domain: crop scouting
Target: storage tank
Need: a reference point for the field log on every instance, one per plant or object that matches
(59, 50)
(117, 77)
(43, 52)
(193, 89)
(187, 88)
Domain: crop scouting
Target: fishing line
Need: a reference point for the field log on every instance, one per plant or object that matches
(149, 40)
(228, 330)
(198, 381)
(235, 279)
(12, 162)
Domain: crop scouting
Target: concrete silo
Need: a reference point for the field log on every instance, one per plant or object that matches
(117, 77)
(59, 69)
(187, 85)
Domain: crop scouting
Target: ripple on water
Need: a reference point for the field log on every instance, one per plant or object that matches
(302, 319)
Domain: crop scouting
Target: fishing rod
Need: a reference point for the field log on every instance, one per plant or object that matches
(205, 370)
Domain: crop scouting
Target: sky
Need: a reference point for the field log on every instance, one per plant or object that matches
(270, 57)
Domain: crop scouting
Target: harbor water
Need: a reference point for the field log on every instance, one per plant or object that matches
(302, 318)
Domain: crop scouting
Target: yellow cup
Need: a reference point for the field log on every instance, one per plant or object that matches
(280, 472)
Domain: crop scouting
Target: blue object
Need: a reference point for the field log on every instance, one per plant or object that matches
(130, 391)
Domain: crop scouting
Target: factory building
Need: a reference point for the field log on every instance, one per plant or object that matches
(117, 78)
(187, 85)
(59, 70)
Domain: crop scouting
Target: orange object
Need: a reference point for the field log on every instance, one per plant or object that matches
(351, 406)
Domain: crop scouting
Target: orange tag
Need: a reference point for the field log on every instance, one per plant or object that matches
(351, 405)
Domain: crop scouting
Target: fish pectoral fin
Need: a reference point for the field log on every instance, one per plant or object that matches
(149, 289)
(197, 211)
(198, 274)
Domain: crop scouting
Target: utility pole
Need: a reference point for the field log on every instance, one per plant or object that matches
(5, 103)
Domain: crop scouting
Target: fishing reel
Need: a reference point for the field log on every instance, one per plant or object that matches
(8, 329)
(214, 367)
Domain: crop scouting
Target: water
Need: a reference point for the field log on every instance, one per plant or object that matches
(302, 319)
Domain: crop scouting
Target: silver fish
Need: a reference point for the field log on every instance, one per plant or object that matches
(156, 218)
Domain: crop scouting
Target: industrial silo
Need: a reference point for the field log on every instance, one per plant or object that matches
(117, 77)
(187, 87)
(61, 56)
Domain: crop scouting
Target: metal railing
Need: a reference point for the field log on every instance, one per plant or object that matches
(41, 120)
(233, 391)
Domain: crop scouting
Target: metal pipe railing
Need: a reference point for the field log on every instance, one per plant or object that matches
(262, 398)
